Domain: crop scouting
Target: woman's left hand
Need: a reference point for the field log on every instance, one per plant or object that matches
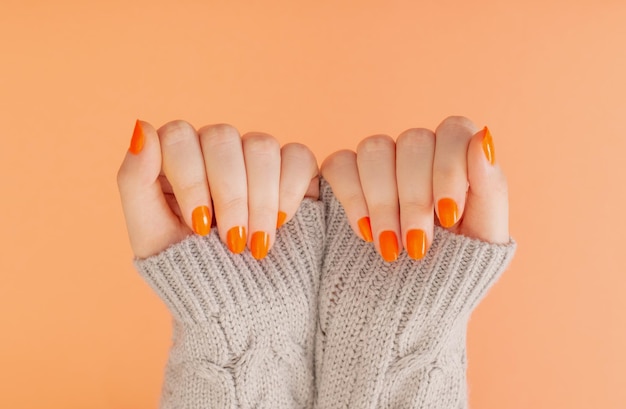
(392, 189)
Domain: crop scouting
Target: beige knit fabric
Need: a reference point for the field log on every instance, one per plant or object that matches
(243, 329)
(389, 335)
(392, 335)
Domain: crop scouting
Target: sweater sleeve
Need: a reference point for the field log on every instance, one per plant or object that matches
(243, 329)
(392, 335)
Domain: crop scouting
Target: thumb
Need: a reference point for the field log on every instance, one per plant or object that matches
(151, 224)
(486, 215)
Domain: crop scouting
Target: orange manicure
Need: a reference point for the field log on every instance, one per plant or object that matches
(416, 243)
(236, 239)
(201, 220)
(366, 229)
(260, 244)
(138, 139)
(389, 245)
(282, 216)
(448, 212)
(488, 148)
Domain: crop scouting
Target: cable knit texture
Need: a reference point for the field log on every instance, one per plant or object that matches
(389, 335)
(392, 335)
(243, 329)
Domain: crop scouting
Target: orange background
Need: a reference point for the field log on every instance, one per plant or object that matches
(78, 326)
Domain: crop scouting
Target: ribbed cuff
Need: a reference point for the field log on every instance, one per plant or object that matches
(446, 286)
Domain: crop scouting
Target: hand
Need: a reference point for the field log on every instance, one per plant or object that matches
(174, 179)
(389, 189)
(419, 310)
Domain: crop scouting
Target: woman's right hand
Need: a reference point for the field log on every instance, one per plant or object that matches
(175, 179)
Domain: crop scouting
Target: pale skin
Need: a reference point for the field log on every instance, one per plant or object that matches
(245, 181)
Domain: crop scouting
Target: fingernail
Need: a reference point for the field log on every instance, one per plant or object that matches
(137, 141)
(416, 243)
(389, 245)
(236, 239)
(448, 211)
(260, 243)
(365, 228)
(488, 148)
(201, 220)
(282, 216)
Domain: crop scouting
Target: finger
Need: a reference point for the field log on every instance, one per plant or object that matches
(143, 202)
(450, 181)
(341, 172)
(226, 172)
(487, 209)
(183, 166)
(415, 152)
(376, 160)
(298, 174)
(262, 158)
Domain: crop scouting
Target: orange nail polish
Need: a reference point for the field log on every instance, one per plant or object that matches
(416, 243)
(201, 220)
(488, 148)
(236, 239)
(260, 244)
(448, 212)
(137, 141)
(282, 216)
(366, 229)
(389, 245)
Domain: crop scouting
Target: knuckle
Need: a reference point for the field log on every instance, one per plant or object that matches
(376, 144)
(447, 173)
(263, 211)
(352, 199)
(261, 143)
(338, 160)
(383, 208)
(416, 139)
(456, 122)
(127, 179)
(176, 131)
(121, 177)
(417, 206)
(297, 151)
(235, 203)
(217, 135)
(193, 186)
(501, 185)
(496, 188)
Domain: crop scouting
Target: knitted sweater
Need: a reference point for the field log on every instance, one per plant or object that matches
(323, 321)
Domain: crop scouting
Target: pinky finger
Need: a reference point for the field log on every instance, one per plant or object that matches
(298, 172)
(341, 171)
